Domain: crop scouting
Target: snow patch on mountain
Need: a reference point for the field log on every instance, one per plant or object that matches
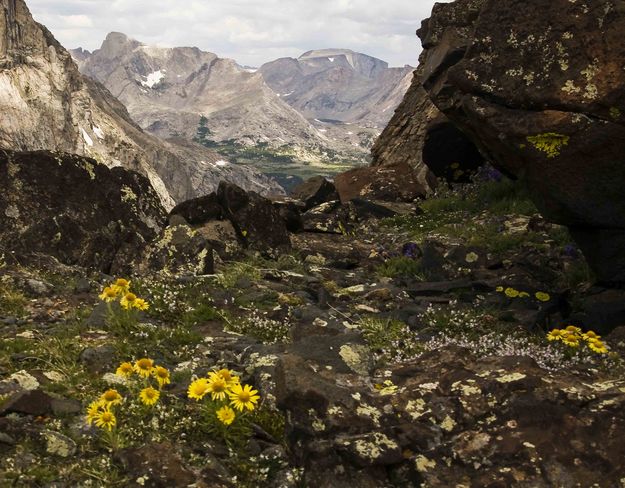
(154, 78)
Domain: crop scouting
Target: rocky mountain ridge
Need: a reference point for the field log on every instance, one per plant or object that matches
(170, 91)
(45, 103)
(339, 85)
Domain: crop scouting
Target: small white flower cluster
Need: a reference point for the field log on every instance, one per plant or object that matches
(477, 331)
(170, 299)
(495, 344)
(261, 327)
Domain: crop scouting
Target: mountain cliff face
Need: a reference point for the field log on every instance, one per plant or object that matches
(45, 103)
(339, 84)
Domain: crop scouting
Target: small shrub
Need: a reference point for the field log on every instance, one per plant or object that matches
(401, 267)
(390, 340)
(233, 272)
(12, 302)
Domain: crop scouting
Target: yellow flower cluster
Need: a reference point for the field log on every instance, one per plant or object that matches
(101, 411)
(120, 290)
(225, 388)
(574, 337)
(510, 292)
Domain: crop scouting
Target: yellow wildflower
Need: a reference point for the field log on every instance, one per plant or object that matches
(144, 367)
(106, 420)
(243, 397)
(109, 294)
(149, 396)
(128, 301)
(229, 376)
(590, 335)
(571, 340)
(121, 286)
(541, 296)
(499, 289)
(93, 410)
(511, 293)
(162, 376)
(217, 386)
(111, 397)
(226, 415)
(125, 370)
(140, 304)
(597, 346)
(523, 294)
(556, 335)
(198, 389)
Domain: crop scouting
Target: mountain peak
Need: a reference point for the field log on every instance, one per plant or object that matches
(324, 53)
(116, 44)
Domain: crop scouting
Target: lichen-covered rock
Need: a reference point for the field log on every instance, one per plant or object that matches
(156, 466)
(337, 218)
(179, 249)
(256, 221)
(542, 96)
(75, 209)
(396, 181)
(315, 191)
(450, 419)
(199, 210)
(401, 142)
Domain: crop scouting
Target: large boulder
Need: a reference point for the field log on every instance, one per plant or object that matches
(401, 142)
(543, 97)
(315, 191)
(179, 250)
(255, 219)
(397, 181)
(232, 219)
(75, 209)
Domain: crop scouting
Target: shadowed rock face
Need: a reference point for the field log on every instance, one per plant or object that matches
(542, 96)
(75, 209)
(46, 104)
(448, 153)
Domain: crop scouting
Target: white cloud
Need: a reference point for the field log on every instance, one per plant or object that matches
(250, 31)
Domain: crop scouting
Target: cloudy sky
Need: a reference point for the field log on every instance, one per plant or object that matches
(250, 31)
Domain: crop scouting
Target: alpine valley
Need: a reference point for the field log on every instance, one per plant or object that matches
(318, 114)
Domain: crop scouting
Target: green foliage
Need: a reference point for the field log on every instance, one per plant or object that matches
(401, 267)
(203, 134)
(577, 273)
(12, 301)
(233, 272)
(452, 213)
(390, 340)
(271, 421)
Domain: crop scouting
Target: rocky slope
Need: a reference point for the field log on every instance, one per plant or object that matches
(45, 103)
(404, 352)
